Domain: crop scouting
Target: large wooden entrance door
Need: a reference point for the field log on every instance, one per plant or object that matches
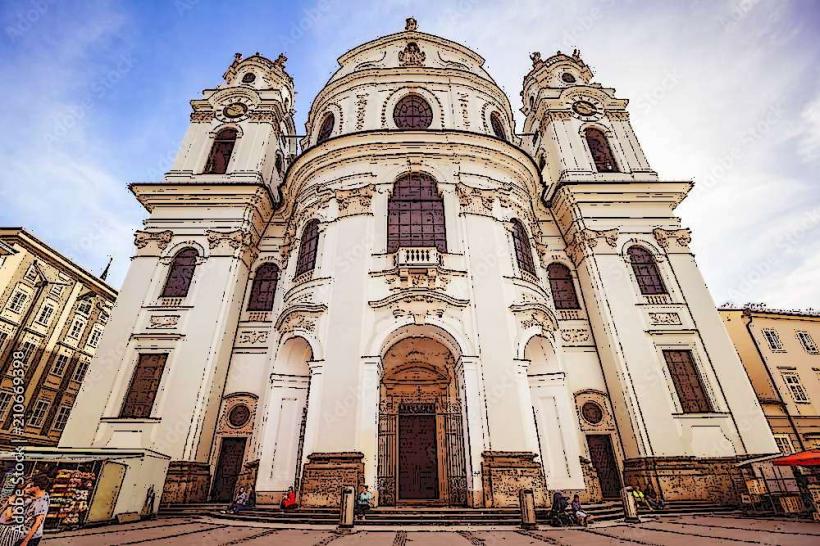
(418, 456)
(603, 459)
(228, 468)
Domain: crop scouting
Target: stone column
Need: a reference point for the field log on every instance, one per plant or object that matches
(367, 436)
(475, 424)
(314, 403)
(524, 399)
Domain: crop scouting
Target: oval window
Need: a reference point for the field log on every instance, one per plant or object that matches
(239, 415)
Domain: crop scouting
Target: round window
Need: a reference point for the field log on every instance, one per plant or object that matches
(592, 412)
(412, 112)
(567, 77)
(250, 77)
(239, 415)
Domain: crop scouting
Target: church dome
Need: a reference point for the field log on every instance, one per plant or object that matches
(409, 80)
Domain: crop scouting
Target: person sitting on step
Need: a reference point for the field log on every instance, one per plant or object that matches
(652, 499)
(363, 501)
(240, 501)
(289, 500)
(640, 498)
(580, 516)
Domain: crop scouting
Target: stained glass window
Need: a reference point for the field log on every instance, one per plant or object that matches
(415, 214)
(412, 112)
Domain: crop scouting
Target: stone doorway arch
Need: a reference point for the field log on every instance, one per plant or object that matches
(421, 454)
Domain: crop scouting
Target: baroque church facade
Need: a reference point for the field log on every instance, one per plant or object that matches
(417, 297)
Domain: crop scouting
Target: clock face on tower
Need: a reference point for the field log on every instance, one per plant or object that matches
(235, 110)
(584, 108)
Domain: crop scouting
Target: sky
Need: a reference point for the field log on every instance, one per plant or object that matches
(726, 93)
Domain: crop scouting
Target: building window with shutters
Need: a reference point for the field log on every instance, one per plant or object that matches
(44, 316)
(784, 443)
(142, 391)
(687, 381)
(798, 391)
(807, 342)
(38, 413)
(77, 327)
(17, 301)
(415, 214)
(773, 340)
(61, 418)
(79, 371)
(60, 365)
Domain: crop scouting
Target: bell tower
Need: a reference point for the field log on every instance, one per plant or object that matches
(667, 378)
(165, 354)
(577, 129)
(239, 130)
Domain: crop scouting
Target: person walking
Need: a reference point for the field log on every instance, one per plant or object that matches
(36, 510)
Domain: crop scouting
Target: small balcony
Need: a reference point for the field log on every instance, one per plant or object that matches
(418, 257)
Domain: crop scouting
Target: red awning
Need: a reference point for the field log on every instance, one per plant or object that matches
(804, 458)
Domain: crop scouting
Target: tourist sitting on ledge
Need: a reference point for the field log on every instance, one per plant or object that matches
(289, 500)
(580, 516)
(652, 499)
(240, 502)
(363, 502)
(640, 498)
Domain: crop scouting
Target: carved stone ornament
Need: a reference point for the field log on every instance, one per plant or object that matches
(587, 239)
(355, 201)
(575, 335)
(665, 318)
(410, 24)
(204, 116)
(683, 236)
(235, 239)
(535, 57)
(298, 321)
(535, 315)
(617, 115)
(361, 103)
(406, 278)
(161, 238)
(163, 321)
(480, 200)
(411, 55)
(252, 337)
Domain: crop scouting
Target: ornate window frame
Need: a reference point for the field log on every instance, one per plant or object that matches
(609, 135)
(397, 95)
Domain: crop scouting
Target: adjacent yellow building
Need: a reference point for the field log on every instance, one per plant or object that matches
(781, 353)
(52, 315)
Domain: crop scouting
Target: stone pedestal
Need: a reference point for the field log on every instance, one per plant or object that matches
(592, 487)
(186, 482)
(505, 473)
(247, 478)
(686, 478)
(325, 474)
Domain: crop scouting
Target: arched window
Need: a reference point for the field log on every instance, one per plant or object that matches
(415, 214)
(646, 271)
(498, 126)
(326, 129)
(412, 112)
(600, 150)
(263, 288)
(221, 152)
(278, 163)
(562, 287)
(179, 276)
(523, 252)
(307, 248)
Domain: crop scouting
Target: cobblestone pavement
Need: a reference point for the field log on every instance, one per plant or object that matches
(680, 530)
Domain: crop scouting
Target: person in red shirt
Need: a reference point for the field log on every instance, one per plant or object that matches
(289, 500)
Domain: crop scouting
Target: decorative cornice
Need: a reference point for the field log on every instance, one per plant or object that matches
(683, 236)
(300, 317)
(205, 116)
(239, 239)
(480, 200)
(532, 314)
(355, 201)
(161, 238)
(585, 240)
